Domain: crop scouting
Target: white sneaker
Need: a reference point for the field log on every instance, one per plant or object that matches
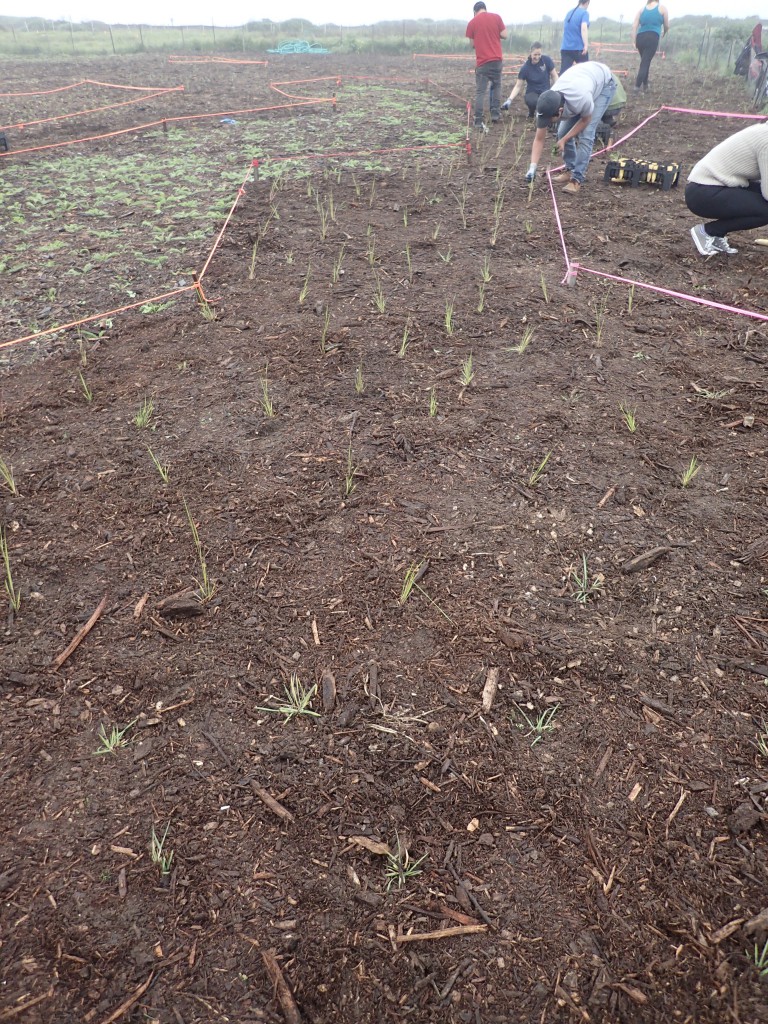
(723, 245)
(704, 243)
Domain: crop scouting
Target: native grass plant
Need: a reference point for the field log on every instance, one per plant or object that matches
(436, 231)
(379, 299)
(338, 265)
(305, 287)
(413, 573)
(759, 959)
(535, 475)
(372, 193)
(461, 200)
(405, 339)
(446, 256)
(159, 854)
(690, 471)
(265, 399)
(143, 417)
(481, 297)
(432, 403)
(206, 588)
(408, 262)
(324, 331)
(85, 388)
(485, 270)
(359, 379)
(207, 311)
(524, 342)
(710, 394)
(110, 742)
(630, 299)
(498, 207)
(405, 216)
(584, 584)
(325, 218)
(538, 725)
(401, 867)
(6, 477)
(467, 373)
(297, 700)
(601, 315)
(761, 742)
(544, 291)
(629, 417)
(164, 471)
(14, 594)
(370, 247)
(350, 472)
(448, 318)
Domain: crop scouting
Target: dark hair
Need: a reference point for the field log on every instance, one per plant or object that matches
(479, 6)
(535, 46)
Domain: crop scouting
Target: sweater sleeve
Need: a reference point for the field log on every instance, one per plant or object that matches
(762, 163)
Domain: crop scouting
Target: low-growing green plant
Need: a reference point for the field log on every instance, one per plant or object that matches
(359, 381)
(143, 417)
(535, 474)
(432, 403)
(156, 307)
(448, 319)
(524, 342)
(14, 595)
(265, 400)
(85, 388)
(761, 741)
(405, 339)
(629, 417)
(690, 471)
(297, 701)
(379, 299)
(467, 373)
(207, 311)
(485, 272)
(206, 588)
(446, 256)
(759, 959)
(544, 291)
(539, 725)
(401, 867)
(370, 250)
(585, 585)
(158, 853)
(164, 471)
(110, 742)
(6, 475)
(411, 575)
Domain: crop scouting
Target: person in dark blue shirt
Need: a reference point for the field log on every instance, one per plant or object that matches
(537, 75)
(575, 45)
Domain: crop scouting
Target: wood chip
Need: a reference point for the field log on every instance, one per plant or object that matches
(444, 933)
(727, 930)
(56, 665)
(372, 845)
(636, 790)
(329, 690)
(315, 633)
(490, 689)
(140, 605)
(187, 603)
(269, 801)
(283, 993)
(645, 560)
(122, 884)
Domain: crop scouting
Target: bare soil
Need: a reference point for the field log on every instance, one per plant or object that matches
(607, 868)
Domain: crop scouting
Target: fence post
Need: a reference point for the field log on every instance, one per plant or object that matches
(112, 40)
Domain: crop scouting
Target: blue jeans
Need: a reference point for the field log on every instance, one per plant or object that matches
(578, 151)
(485, 75)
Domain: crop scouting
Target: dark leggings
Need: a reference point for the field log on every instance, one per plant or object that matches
(727, 209)
(570, 57)
(531, 99)
(647, 44)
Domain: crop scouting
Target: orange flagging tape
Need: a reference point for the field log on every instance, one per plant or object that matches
(92, 110)
(238, 197)
(90, 81)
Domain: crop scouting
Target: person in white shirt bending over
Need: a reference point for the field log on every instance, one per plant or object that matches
(729, 186)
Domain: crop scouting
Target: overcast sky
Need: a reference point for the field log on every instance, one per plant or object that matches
(344, 12)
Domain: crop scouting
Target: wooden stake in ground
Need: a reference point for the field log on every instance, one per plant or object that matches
(283, 993)
(56, 665)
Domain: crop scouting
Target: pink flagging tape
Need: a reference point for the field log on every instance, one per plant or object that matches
(557, 218)
(574, 268)
(715, 113)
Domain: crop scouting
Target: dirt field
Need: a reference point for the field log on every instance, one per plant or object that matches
(561, 722)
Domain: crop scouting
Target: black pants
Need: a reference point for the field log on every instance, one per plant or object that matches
(647, 44)
(570, 57)
(727, 209)
(531, 99)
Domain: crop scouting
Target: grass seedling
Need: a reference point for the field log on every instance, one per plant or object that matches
(265, 401)
(541, 724)
(601, 313)
(481, 299)
(404, 343)
(207, 311)
(447, 256)
(206, 588)
(331, 207)
(629, 418)
(759, 959)
(432, 403)
(349, 473)
(305, 287)
(467, 373)
(326, 326)
(379, 300)
(762, 739)
(690, 471)
(436, 232)
(461, 199)
(6, 475)
(485, 272)
(164, 472)
(544, 291)
(112, 741)
(630, 299)
(535, 475)
(524, 342)
(158, 853)
(87, 393)
(372, 193)
(324, 220)
(405, 216)
(143, 417)
(401, 867)
(498, 206)
(359, 381)
(408, 262)
(370, 251)
(298, 700)
(338, 263)
(14, 595)
(584, 585)
(411, 575)
(448, 319)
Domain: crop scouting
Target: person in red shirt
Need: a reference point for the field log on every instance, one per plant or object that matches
(485, 32)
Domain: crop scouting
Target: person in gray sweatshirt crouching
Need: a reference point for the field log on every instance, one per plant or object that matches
(729, 187)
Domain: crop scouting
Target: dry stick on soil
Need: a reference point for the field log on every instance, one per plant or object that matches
(56, 665)
(283, 993)
(128, 1003)
(14, 1011)
(444, 933)
(269, 801)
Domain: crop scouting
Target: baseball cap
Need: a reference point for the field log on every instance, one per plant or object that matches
(548, 107)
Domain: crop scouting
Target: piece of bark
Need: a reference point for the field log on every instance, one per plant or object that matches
(329, 690)
(269, 801)
(15, 1011)
(646, 559)
(371, 845)
(128, 1003)
(187, 603)
(744, 818)
(283, 993)
(444, 933)
(56, 665)
(758, 925)
(490, 689)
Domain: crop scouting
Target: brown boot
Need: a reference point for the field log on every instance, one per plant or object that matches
(572, 188)
(561, 178)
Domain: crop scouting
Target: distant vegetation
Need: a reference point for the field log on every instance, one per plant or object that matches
(703, 40)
